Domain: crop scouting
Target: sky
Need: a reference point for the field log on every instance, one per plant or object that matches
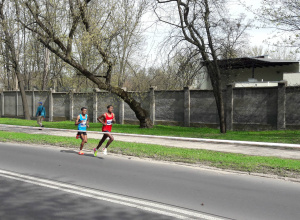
(258, 36)
(155, 32)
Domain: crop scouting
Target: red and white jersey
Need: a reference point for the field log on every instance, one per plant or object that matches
(108, 120)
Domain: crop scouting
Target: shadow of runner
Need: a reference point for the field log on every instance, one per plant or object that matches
(75, 152)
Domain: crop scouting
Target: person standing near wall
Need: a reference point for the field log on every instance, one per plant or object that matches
(83, 122)
(106, 119)
(40, 114)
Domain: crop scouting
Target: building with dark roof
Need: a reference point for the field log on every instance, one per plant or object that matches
(256, 71)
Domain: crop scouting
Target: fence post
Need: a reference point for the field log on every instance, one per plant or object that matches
(152, 104)
(187, 107)
(95, 105)
(17, 104)
(71, 105)
(121, 109)
(33, 104)
(281, 105)
(229, 107)
(51, 105)
(2, 103)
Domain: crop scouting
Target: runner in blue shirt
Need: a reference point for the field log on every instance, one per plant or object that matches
(82, 122)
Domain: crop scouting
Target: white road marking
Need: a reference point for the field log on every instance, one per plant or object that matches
(110, 197)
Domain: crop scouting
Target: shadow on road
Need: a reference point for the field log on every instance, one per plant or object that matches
(30, 202)
(75, 152)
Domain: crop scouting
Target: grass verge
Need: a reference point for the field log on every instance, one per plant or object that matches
(239, 162)
(276, 136)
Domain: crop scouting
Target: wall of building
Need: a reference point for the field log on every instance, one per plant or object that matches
(293, 79)
(246, 108)
(276, 73)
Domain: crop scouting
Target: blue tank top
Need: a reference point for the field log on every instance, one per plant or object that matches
(82, 125)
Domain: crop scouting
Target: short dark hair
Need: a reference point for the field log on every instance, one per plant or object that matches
(83, 108)
(109, 106)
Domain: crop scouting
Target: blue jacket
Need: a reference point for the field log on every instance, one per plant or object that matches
(41, 111)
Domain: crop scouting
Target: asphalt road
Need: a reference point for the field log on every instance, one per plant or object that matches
(199, 191)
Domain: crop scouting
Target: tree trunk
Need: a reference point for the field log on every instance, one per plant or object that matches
(217, 90)
(7, 66)
(46, 69)
(9, 41)
(23, 94)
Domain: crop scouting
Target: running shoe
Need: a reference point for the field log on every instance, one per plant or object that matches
(77, 136)
(81, 152)
(104, 151)
(95, 152)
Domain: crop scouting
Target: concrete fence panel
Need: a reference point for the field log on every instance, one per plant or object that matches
(83, 100)
(293, 107)
(61, 104)
(169, 107)
(245, 108)
(203, 108)
(255, 106)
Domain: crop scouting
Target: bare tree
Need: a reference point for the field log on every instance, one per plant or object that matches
(274, 52)
(129, 41)
(91, 24)
(284, 16)
(234, 39)
(12, 56)
(201, 24)
(186, 65)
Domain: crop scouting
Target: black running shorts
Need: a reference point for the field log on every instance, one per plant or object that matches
(81, 132)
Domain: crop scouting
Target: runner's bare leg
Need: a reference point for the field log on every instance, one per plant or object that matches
(101, 141)
(83, 138)
(111, 139)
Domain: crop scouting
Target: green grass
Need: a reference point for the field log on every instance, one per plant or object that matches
(283, 136)
(258, 164)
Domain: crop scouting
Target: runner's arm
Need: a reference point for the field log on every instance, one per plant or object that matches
(77, 120)
(100, 119)
(87, 122)
(114, 119)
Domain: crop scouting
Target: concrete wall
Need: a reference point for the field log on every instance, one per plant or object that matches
(10, 104)
(246, 108)
(255, 107)
(60, 108)
(203, 108)
(292, 107)
(169, 106)
(83, 100)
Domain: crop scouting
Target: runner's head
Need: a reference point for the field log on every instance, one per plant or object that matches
(40, 103)
(110, 108)
(83, 110)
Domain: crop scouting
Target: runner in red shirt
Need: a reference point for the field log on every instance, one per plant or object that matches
(106, 119)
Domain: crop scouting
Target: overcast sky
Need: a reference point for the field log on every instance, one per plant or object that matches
(257, 36)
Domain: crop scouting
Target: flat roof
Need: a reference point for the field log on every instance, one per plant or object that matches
(252, 62)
